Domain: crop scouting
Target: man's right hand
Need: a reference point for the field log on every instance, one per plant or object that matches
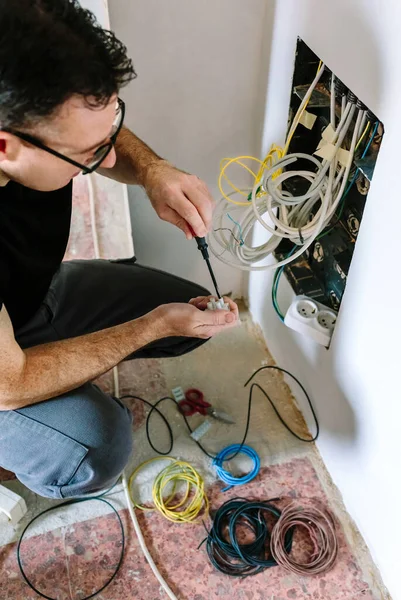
(192, 320)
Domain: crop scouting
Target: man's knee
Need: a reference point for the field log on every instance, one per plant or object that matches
(104, 461)
(86, 442)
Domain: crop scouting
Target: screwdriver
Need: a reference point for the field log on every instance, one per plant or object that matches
(202, 246)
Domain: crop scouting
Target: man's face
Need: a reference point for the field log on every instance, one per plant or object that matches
(76, 131)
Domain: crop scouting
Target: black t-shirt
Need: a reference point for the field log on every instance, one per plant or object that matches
(34, 230)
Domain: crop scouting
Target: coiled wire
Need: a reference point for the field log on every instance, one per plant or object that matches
(191, 503)
(320, 526)
(272, 531)
(226, 476)
(226, 553)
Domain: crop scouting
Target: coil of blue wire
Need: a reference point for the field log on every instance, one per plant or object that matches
(228, 453)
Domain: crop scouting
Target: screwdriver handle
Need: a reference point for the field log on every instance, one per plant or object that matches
(202, 246)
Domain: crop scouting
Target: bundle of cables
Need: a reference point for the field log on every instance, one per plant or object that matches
(166, 491)
(319, 525)
(272, 534)
(300, 218)
(226, 553)
(279, 272)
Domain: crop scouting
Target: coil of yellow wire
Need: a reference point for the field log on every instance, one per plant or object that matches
(176, 505)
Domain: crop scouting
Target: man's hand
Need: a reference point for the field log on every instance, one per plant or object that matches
(192, 320)
(179, 198)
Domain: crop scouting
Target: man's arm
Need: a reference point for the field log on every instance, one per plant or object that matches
(177, 197)
(134, 159)
(49, 370)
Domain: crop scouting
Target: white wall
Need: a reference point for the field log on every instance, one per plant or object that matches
(195, 101)
(355, 384)
(100, 8)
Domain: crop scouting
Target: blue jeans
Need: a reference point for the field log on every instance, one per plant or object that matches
(79, 442)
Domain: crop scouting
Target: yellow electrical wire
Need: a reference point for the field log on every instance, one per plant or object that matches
(363, 135)
(275, 153)
(194, 499)
(226, 163)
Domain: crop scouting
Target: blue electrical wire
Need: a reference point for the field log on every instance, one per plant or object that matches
(372, 137)
(241, 237)
(228, 477)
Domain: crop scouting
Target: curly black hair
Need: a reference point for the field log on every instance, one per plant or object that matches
(51, 50)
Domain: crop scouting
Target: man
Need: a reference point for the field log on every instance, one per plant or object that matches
(62, 325)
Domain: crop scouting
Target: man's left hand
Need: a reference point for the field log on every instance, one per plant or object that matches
(179, 198)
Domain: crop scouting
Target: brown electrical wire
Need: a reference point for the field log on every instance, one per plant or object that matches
(320, 526)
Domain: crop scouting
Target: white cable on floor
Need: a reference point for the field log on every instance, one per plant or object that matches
(142, 544)
(116, 382)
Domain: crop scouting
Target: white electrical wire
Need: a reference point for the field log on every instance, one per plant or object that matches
(142, 544)
(299, 219)
(333, 102)
(116, 380)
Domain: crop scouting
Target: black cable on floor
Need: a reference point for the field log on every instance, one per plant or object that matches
(154, 407)
(68, 502)
(312, 439)
(218, 553)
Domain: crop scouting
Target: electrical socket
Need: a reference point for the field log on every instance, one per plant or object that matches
(307, 309)
(312, 319)
(327, 319)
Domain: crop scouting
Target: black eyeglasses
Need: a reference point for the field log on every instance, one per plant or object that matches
(98, 156)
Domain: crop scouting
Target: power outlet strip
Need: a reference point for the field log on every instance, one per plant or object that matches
(12, 506)
(311, 318)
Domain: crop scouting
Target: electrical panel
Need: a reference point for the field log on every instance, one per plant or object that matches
(321, 272)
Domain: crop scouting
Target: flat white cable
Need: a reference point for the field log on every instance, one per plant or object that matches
(303, 105)
(333, 101)
(343, 104)
(348, 167)
(142, 544)
(363, 123)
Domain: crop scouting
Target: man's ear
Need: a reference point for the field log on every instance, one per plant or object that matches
(3, 146)
(9, 146)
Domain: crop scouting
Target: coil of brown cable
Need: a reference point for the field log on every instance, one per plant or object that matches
(320, 526)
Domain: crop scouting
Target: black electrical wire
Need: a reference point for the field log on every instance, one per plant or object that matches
(154, 407)
(219, 553)
(231, 557)
(311, 439)
(68, 502)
